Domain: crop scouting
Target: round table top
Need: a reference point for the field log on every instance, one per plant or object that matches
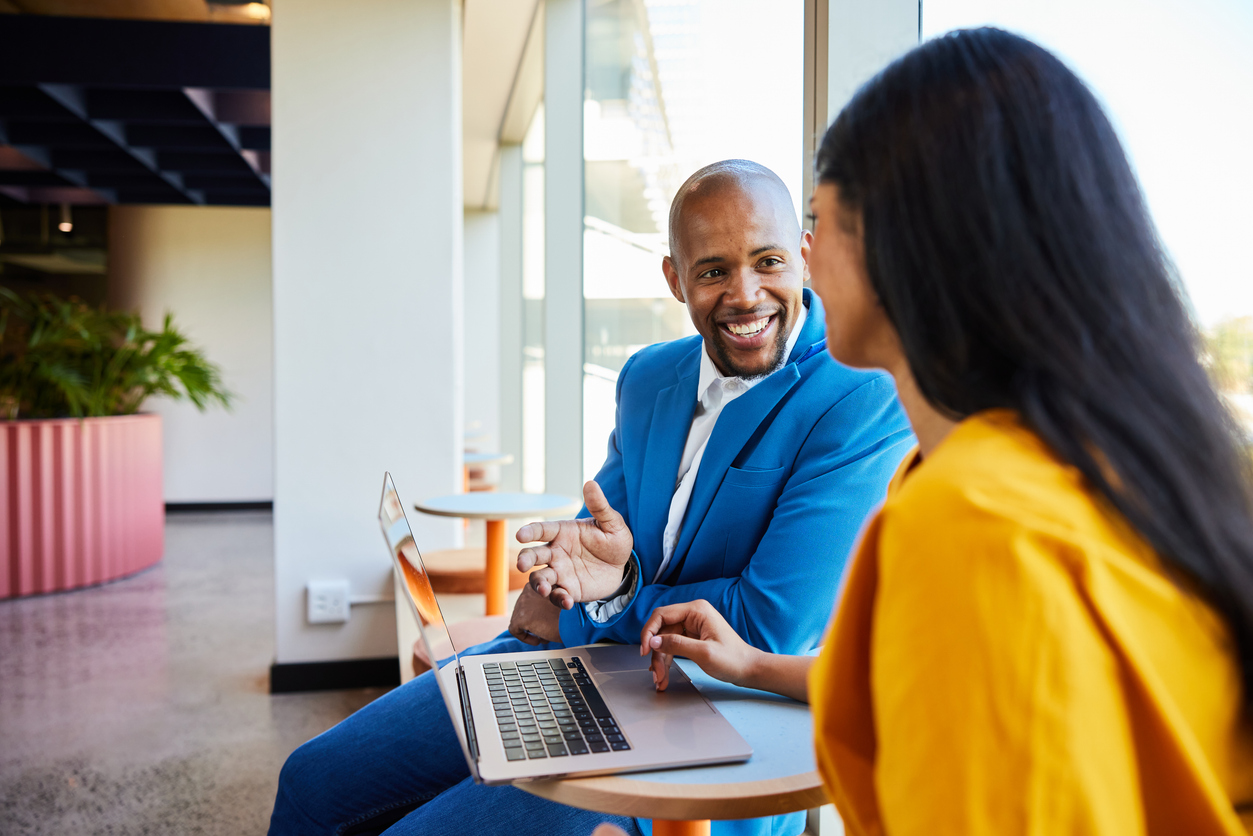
(781, 777)
(488, 458)
(499, 505)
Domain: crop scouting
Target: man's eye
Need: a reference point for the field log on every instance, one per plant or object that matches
(715, 273)
(771, 261)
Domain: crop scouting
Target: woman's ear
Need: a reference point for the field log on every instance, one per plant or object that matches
(807, 243)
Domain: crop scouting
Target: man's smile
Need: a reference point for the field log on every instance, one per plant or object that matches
(748, 332)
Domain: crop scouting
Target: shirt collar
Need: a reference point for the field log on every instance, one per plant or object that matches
(709, 372)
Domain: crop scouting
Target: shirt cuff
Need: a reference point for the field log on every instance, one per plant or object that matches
(609, 606)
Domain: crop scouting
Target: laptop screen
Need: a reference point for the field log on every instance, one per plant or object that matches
(409, 569)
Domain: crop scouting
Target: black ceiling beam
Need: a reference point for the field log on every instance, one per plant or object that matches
(255, 138)
(37, 49)
(158, 106)
(198, 137)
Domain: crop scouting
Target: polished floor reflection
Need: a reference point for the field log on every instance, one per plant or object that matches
(141, 706)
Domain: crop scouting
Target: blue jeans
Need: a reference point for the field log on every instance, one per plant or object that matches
(396, 767)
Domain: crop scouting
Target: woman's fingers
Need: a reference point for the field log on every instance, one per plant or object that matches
(672, 616)
(660, 666)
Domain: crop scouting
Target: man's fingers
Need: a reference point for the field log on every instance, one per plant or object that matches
(561, 597)
(608, 829)
(606, 517)
(523, 636)
(534, 556)
(538, 531)
(543, 581)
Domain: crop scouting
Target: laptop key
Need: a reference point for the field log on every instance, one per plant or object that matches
(557, 751)
(577, 747)
(620, 746)
(515, 755)
(598, 745)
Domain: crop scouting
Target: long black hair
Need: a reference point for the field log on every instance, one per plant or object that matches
(1009, 244)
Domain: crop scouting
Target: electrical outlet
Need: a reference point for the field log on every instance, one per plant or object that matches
(328, 602)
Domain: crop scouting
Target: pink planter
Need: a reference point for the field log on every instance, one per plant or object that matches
(80, 501)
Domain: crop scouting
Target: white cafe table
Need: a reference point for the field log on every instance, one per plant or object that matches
(496, 508)
(780, 777)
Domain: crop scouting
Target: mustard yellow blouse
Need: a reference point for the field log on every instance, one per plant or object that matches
(1009, 657)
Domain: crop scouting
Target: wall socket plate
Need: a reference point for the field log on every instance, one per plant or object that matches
(328, 602)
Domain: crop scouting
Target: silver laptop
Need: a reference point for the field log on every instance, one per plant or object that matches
(552, 713)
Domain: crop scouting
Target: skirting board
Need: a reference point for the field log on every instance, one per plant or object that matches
(292, 677)
(176, 507)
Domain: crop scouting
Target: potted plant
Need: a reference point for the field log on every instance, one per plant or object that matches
(81, 496)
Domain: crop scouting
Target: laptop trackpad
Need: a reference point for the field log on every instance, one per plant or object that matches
(617, 657)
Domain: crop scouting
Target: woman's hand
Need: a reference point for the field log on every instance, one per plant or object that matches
(699, 632)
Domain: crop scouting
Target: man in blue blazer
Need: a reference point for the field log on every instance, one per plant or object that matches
(740, 470)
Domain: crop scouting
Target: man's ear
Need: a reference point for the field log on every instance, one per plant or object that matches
(807, 242)
(672, 279)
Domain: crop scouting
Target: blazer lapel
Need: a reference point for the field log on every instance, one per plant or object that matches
(667, 435)
(736, 425)
(740, 419)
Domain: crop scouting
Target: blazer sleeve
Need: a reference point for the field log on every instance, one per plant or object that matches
(784, 596)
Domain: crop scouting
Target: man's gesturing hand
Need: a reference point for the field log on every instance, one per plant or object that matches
(585, 558)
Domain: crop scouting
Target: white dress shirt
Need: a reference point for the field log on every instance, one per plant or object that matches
(713, 393)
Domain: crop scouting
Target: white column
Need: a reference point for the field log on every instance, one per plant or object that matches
(367, 207)
(563, 246)
(511, 314)
(483, 327)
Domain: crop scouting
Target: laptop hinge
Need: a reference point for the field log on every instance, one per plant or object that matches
(466, 717)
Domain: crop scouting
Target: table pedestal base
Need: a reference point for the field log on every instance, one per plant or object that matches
(661, 827)
(496, 578)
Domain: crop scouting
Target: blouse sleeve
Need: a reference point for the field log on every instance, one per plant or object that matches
(997, 702)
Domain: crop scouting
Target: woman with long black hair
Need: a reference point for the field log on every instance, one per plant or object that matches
(1048, 627)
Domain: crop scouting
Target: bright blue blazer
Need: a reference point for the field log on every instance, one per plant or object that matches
(792, 470)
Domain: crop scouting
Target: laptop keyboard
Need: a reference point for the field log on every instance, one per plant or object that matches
(550, 709)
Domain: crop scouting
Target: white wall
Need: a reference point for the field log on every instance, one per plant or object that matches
(210, 267)
(483, 327)
(367, 298)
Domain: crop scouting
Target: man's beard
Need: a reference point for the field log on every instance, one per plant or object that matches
(783, 331)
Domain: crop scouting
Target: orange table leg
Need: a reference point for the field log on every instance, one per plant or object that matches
(496, 578)
(662, 827)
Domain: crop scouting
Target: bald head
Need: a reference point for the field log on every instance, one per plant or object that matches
(744, 176)
(738, 262)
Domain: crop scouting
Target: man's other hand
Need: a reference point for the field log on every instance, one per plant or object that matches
(585, 558)
(534, 620)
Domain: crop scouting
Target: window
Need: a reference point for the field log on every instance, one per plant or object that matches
(1176, 78)
(671, 85)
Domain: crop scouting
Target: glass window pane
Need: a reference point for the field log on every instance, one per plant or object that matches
(533, 305)
(672, 85)
(1176, 78)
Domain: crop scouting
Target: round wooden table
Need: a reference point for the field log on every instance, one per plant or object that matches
(781, 777)
(496, 508)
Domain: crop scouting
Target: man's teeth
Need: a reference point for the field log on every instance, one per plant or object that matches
(748, 329)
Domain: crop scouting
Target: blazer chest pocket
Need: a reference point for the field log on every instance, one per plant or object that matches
(754, 478)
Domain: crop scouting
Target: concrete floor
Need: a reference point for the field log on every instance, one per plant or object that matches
(142, 706)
